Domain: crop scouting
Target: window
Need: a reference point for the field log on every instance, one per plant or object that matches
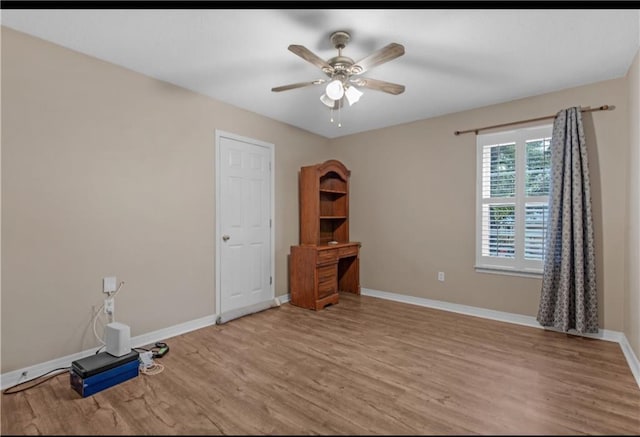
(513, 175)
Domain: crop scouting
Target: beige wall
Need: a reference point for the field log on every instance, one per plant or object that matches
(109, 172)
(413, 203)
(632, 287)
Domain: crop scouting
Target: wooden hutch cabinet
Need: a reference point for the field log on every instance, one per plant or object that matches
(326, 261)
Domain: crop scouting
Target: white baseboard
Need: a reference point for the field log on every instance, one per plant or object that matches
(285, 298)
(518, 319)
(631, 357)
(11, 378)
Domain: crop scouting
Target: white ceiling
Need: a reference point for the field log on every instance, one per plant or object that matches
(454, 59)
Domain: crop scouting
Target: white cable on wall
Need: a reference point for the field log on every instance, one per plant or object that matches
(112, 317)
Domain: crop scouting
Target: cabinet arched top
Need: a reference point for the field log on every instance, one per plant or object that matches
(324, 203)
(333, 165)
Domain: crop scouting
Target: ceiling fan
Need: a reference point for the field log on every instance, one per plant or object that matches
(344, 73)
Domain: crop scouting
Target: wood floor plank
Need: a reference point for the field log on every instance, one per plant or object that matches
(362, 366)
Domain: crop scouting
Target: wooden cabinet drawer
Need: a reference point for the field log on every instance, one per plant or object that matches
(325, 288)
(327, 280)
(348, 251)
(327, 256)
(326, 273)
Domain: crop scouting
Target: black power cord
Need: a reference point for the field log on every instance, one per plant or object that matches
(159, 350)
(7, 391)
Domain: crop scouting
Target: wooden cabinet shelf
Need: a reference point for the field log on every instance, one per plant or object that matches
(318, 270)
(337, 192)
(324, 203)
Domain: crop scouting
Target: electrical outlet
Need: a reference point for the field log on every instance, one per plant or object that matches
(109, 284)
(108, 305)
(441, 276)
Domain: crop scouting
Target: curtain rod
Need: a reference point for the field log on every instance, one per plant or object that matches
(476, 130)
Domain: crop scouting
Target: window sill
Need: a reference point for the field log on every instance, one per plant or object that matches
(510, 272)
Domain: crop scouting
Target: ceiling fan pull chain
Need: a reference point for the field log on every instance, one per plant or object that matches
(339, 119)
(331, 114)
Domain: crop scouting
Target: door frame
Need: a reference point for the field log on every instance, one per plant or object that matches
(271, 148)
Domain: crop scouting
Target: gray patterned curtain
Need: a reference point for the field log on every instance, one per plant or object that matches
(568, 298)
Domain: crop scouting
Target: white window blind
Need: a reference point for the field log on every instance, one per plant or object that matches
(512, 197)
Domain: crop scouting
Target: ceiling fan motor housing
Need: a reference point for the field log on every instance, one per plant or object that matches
(341, 64)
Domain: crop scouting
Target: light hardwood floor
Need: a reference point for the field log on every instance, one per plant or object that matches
(363, 366)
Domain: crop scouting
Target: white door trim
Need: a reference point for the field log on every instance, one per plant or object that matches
(218, 135)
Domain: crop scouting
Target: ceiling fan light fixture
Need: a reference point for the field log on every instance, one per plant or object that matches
(353, 95)
(335, 89)
(327, 100)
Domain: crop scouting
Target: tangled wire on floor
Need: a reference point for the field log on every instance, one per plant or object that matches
(153, 369)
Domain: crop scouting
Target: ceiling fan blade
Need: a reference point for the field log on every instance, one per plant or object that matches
(380, 85)
(309, 56)
(381, 56)
(297, 85)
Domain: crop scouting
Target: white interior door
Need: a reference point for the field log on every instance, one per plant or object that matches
(244, 223)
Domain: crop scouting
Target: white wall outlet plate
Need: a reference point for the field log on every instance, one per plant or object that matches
(109, 284)
(109, 305)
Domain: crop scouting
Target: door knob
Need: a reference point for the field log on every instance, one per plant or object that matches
(225, 237)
